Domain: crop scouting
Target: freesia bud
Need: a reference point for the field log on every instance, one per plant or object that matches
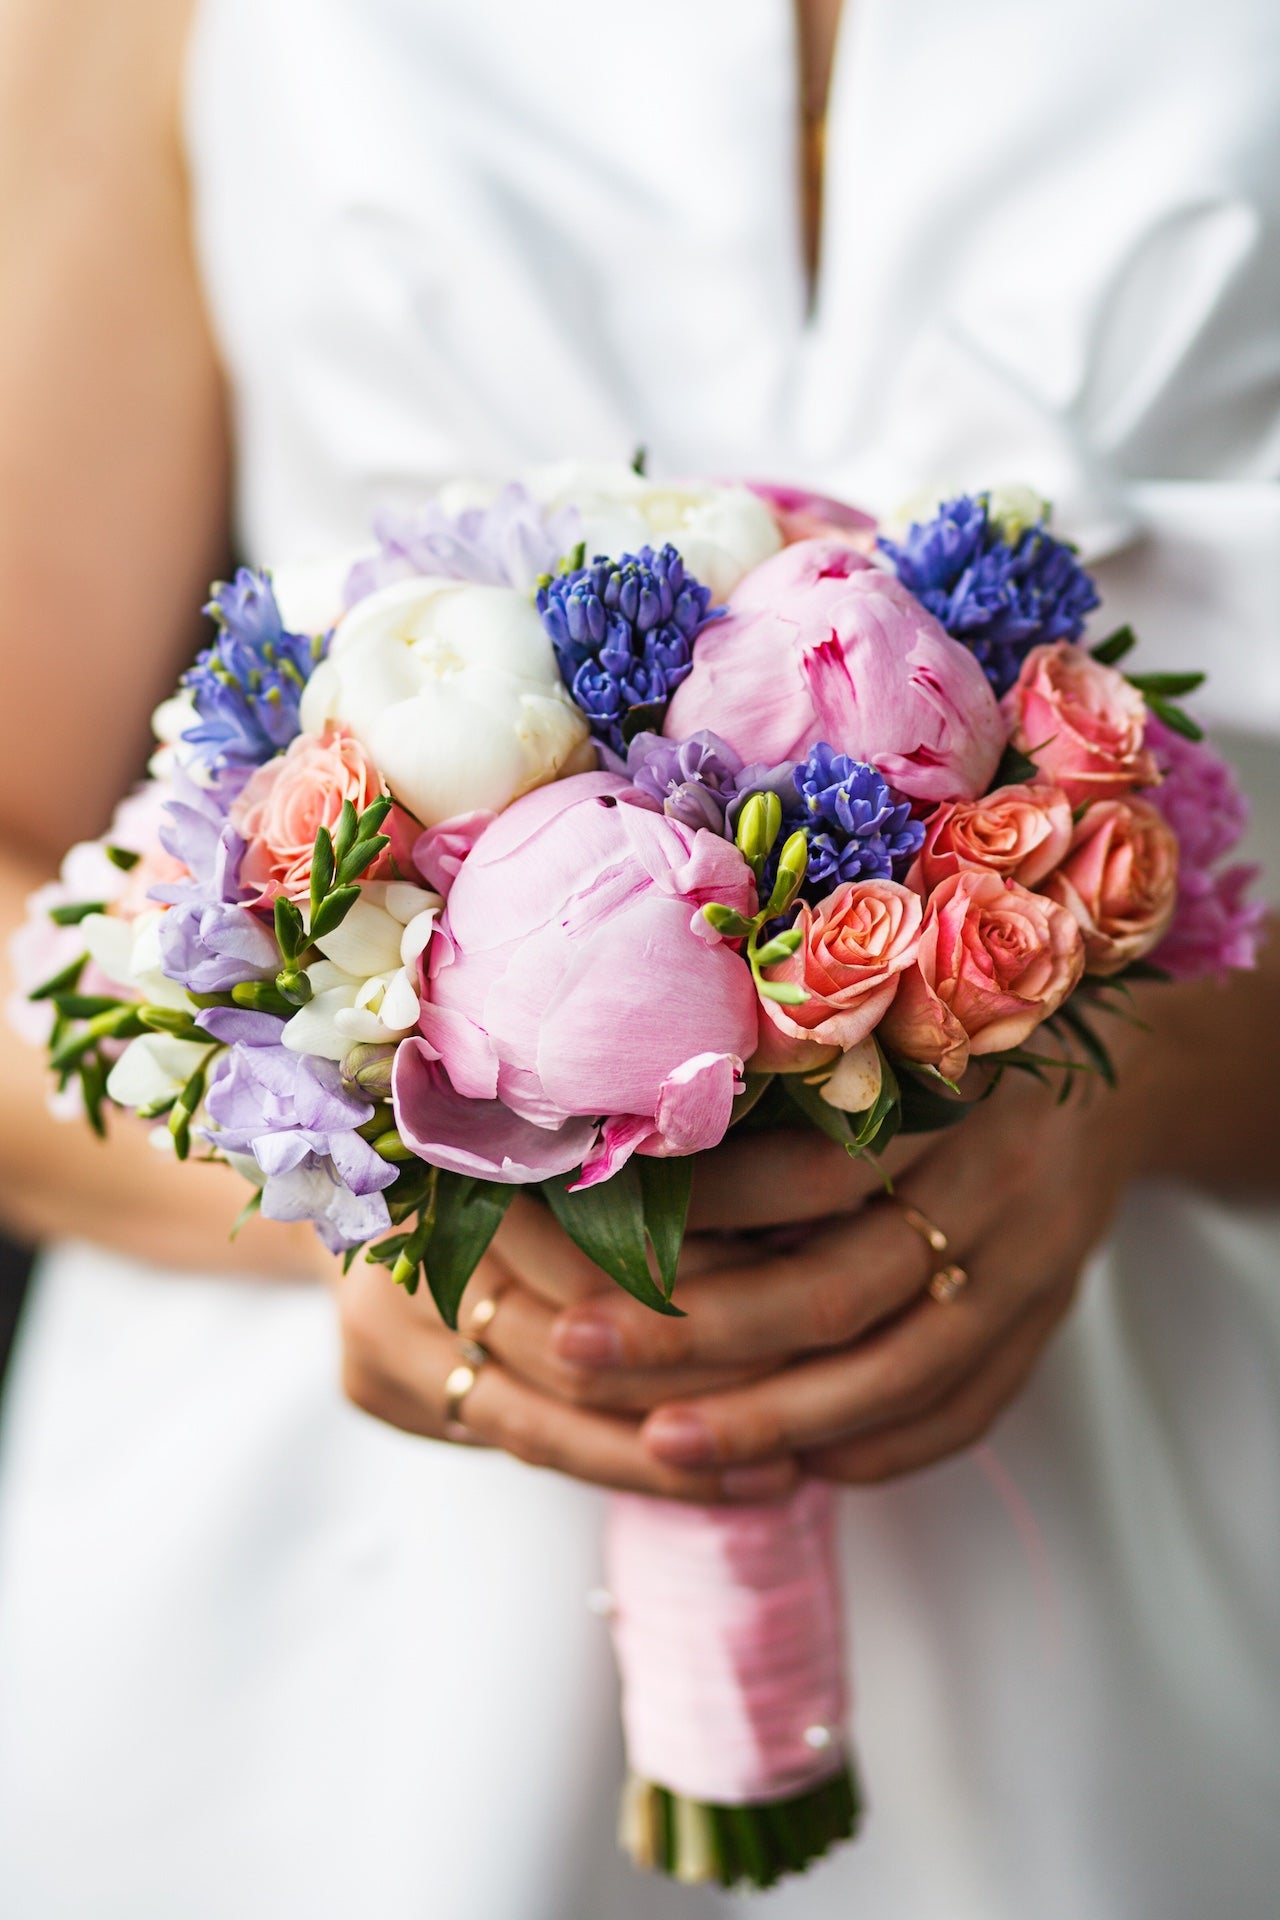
(793, 863)
(758, 826)
(368, 1067)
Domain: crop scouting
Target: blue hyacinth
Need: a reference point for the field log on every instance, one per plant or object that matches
(856, 828)
(1000, 589)
(248, 685)
(623, 633)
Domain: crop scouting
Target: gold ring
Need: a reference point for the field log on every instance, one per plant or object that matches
(934, 1238)
(947, 1282)
(458, 1385)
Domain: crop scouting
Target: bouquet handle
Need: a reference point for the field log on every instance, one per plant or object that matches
(729, 1632)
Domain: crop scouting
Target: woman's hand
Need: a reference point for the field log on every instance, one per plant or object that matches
(879, 1377)
(398, 1355)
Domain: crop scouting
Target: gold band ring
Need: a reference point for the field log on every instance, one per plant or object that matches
(458, 1385)
(947, 1282)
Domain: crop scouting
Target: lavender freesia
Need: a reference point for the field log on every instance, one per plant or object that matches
(293, 1116)
(507, 544)
(692, 780)
(209, 940)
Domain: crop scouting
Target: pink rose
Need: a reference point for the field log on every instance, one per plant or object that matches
(1120, 882)
(1019, 832)
(820, 645)
(574, 976)
(994, 961)
(1082, 724)
(285, 804)
(857, 943)
(802, 515)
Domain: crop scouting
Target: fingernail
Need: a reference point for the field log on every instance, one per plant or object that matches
(768, 1482)
(682, 1439)
(588, 1340)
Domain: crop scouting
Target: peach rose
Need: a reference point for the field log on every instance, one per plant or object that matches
(855, 946)
(286, 802)
(1119, 882)
(1019, 832)
(1082, 724)
(994, 961)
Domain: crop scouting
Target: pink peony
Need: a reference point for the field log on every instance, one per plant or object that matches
(1082, 724)
(994, 961)
(820, 645)
(1214, 926)
(857, 942)
(1019, 832)
(574, 978)
(1119, 882)
(285, 803)
(802, 515)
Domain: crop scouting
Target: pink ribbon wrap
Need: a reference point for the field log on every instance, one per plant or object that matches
(729, 1634)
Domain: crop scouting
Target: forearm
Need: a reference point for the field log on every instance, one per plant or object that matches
(1210, 1080)
(57, 1179)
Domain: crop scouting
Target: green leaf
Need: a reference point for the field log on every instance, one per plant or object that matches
(72, 914)
(645, 719)
(93, 1088)
(1115, 646)
(123, 857)
(1142, 970)
(755, 1085)
(64, 981)
(291, 933)
(665, 1186)
(882, 1119)
(247, 1211)
(333, 911)
(827, 1119)
(640, 460)
(607, 1222)
(783, 992)
(83, 1006)
(466, 1215)
(1075, 1022)
(362, 855)
(1169, 684)
(344, 837)
(927, 1108)
(1015, 769)
(1174, 718)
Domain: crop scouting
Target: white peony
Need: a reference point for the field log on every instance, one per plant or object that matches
(365, 990)
(719, 532)
(454, 693)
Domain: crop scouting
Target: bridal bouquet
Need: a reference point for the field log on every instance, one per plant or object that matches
(602, 817)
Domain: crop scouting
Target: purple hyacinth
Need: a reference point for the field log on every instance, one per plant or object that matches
(292, 1115)
(209, 940)
(693, 780)
(623, 632)
(856, 827)
(999, 596)
(508, 544)
(247, 686)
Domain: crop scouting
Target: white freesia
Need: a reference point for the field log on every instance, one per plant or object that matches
(154, 1068)
(854, 1084)
(128, 952)
(171, 719)
(366, 987)
(719, 532)
(454, 693)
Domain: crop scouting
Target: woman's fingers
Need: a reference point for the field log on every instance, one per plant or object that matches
(397, 1360)
(956, 1422)
(519, 1333)
(846, 1277)
(884, 1379)
(765, 1179)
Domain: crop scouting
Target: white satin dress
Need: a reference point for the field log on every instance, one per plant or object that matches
(262, 1659)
